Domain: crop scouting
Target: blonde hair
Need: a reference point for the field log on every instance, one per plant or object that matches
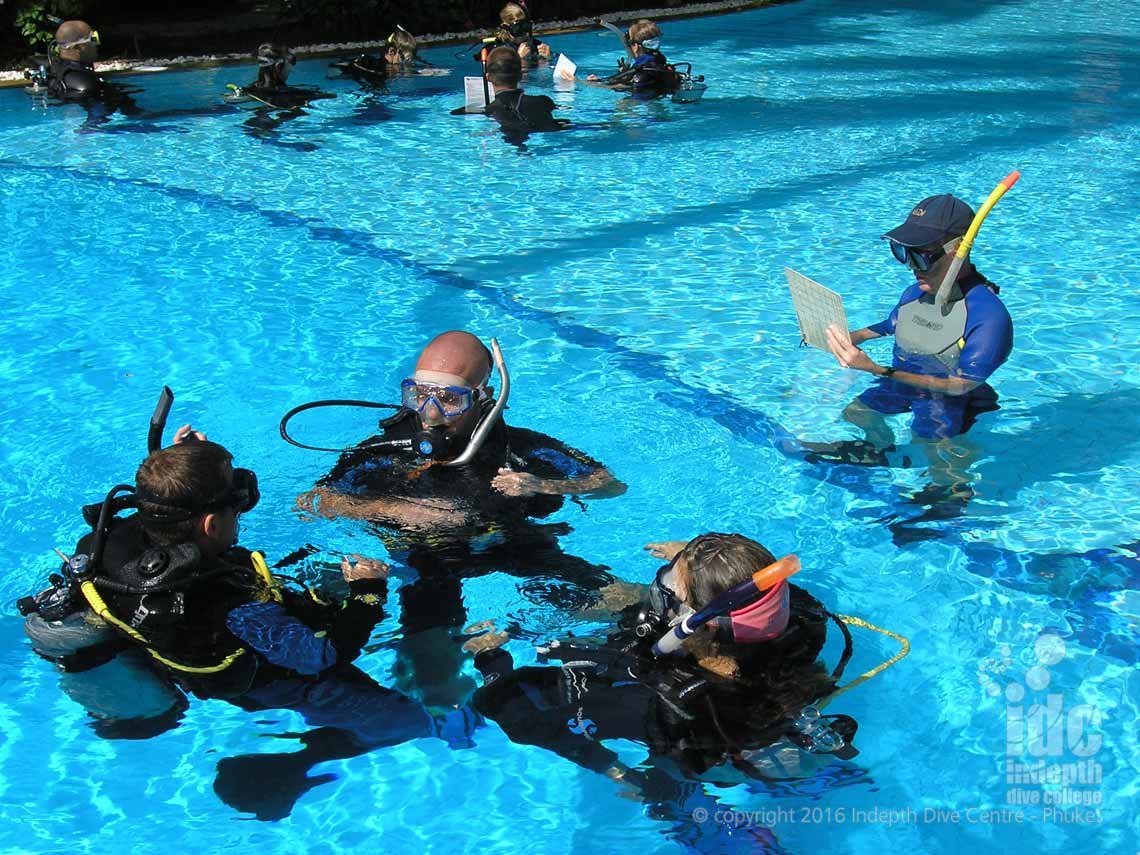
(512, 13)
(403, 43)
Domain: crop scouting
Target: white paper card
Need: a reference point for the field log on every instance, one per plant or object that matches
(564, 69)
(474, 96)
(817, 308)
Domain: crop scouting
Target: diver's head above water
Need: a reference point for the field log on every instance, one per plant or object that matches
(643, 36)
(401, 48)
(76, 41)
(191, 493)
(275, 62)
(703, 573)
(929, 238)
(504, 68)
(447, 392)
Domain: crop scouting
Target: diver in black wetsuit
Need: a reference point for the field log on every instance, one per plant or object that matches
(649, 75)
(455, 493)
(747, 679)
(518, 114)
(401, 54)
(516, 31)
(279, 102)
(71, 71)
(209, 618)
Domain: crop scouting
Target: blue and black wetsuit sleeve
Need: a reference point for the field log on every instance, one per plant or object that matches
(548, 457)
(988, 336)
(285, 640)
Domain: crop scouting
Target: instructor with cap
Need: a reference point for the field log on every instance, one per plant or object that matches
(943, 352)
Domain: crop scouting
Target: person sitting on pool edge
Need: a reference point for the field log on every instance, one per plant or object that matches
(517, 113)
(71, 62)
(649, 75)
(516, 31)
(737, 684)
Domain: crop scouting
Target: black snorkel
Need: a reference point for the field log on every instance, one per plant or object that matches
(158, 420)
(429, 443)
(340, 402)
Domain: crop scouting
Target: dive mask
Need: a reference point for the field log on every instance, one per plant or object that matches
(92, 38)
(242, 496)
(920, 259)
(651, 44)
(452, 401)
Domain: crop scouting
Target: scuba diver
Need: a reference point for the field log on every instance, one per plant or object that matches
(70, 77)
(277, 101)
(400, 56)
(454, 492)
(516, 31)
(163, 602)
(649, 75)
(717, 663)
(70, 73)
(518, 114)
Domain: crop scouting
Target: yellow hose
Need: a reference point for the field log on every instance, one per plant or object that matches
(904, 649)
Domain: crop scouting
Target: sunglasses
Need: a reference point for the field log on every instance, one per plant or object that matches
(920, 259)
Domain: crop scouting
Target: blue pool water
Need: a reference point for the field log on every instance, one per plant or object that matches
(633, 272)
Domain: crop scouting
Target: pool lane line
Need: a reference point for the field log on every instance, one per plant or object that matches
(752, 425)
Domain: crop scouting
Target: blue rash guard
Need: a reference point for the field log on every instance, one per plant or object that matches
(973, 352)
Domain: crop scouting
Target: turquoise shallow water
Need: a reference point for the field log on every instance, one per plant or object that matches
(633, 273)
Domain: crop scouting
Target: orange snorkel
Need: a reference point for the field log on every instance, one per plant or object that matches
(734, 598)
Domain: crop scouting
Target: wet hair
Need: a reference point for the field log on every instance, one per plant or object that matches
(717, 562)
(186, 475)
(512, 13)
(504, 67)
(403, 43)
(643, 30)
(274, 75)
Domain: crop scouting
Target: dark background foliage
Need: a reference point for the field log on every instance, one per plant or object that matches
(154, 28)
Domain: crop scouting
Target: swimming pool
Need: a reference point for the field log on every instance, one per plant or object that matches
(633, 273)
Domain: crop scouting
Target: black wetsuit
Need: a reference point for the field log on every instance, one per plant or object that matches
(500, 533)
(520, 115)
(292, 652)
(616, 690)
(197, 613)
(279, 104)
(73, 80)
(648, 76)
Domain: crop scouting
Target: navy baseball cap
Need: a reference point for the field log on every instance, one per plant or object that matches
(935, 218)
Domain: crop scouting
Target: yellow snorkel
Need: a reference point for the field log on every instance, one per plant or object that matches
(968, 239)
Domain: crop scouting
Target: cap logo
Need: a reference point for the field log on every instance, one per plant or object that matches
(918, 212)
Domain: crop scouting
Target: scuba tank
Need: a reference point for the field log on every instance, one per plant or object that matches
(102, 672)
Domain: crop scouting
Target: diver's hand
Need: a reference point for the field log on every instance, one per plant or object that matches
(186, 432)
(357, 567)
(592, 77)
(524, 50)
(544, 50)
(847, 354)
(511, 483)
(665, 549)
